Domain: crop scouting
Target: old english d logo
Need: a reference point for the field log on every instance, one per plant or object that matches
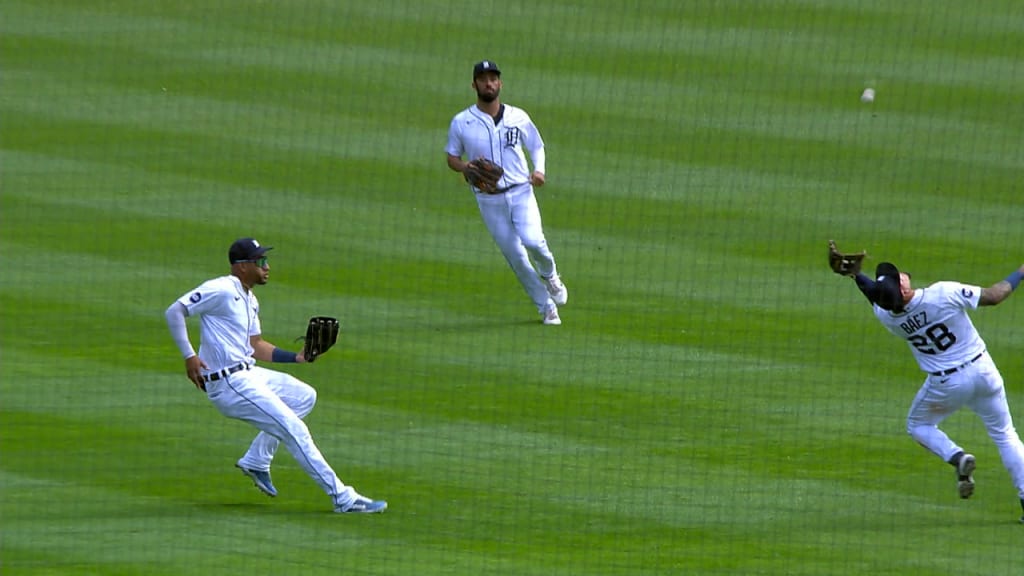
(511, 137)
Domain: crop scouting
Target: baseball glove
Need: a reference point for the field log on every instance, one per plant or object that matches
(321, 334)
(844, 264)
(484, 174)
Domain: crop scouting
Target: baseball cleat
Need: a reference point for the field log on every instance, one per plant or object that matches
(551, 316)
(362, 505)
(260, 479)
(559, 293)
(964, 478)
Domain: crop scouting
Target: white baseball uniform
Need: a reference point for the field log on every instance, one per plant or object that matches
(947, 346)
(274, 402)
(512, 216)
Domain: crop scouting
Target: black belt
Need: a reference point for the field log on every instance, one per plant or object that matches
(953, 370)
(502, 190)
(214, 376)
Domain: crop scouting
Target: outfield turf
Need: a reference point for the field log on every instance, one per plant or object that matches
(716, 402)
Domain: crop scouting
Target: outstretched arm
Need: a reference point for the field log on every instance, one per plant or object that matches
(266, 352)
(1001, 290)
(866, 285)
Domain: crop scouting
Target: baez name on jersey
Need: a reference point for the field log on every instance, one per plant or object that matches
(915, 322)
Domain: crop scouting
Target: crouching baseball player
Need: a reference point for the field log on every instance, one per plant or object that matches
(225, 368)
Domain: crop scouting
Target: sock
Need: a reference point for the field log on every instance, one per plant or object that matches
(955, 460)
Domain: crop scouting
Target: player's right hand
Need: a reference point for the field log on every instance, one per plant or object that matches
(194, 370)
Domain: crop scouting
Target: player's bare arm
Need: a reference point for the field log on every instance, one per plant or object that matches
(266, 352)
(456, 163)
(1001, 290)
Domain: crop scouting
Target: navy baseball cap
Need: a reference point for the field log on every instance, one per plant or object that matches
(485, 66)
(887, 287)
(246, 249)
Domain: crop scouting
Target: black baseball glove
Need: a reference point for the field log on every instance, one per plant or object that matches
(844, 264)
(484, 174)
(321, 334)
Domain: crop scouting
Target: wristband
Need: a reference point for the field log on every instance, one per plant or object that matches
(282, 356)
(1014, 279)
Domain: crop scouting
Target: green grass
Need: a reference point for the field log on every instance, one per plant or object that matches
(716, 401)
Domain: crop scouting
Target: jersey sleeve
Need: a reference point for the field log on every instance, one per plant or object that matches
(534, 144)
(454, 146)
(204, 299)
(963, 296)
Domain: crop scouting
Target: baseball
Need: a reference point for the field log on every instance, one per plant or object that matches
(868, 95)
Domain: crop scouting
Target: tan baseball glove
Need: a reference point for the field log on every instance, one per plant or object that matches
(844, 264)
(484, 174)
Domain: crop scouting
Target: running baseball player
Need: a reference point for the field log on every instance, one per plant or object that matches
(498, 132)
(225, 368)
(960, 372)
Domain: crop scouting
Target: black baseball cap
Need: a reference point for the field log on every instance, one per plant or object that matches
(887, 287)
(246, 249)
(485, 66)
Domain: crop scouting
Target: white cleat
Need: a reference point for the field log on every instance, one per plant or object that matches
(559, 293)
(965, 476)
(362, 505)
(551, 317)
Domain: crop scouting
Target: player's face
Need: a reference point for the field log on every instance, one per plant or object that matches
(257, 272)
(488, 86)
(905, 288)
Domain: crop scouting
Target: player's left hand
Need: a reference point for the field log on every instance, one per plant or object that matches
(842, 263)
(537, 179)
(321, 334)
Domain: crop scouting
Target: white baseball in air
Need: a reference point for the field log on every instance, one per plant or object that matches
(868, 95)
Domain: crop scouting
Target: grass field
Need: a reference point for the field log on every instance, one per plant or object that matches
(716, 401)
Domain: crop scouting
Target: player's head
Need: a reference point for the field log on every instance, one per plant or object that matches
(487, 80)
(891, 287)
(249, 261)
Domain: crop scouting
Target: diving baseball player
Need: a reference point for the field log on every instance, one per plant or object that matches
(499, 132)
(225, 368)
(960, 372)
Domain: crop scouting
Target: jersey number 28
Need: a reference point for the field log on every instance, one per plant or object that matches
(937, 338)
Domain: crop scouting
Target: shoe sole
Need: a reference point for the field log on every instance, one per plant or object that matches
(377, 511)
(966, 468)
(965, 488)
(255, 482)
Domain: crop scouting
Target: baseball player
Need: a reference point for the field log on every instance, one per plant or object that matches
(225, 368)
(499, 132)
(948, 348)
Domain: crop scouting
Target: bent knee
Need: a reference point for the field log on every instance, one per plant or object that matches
(917, 429)
(535, 244)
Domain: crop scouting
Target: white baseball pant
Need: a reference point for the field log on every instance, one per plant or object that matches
(275, 403)
(513, 219)
(979, 387)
